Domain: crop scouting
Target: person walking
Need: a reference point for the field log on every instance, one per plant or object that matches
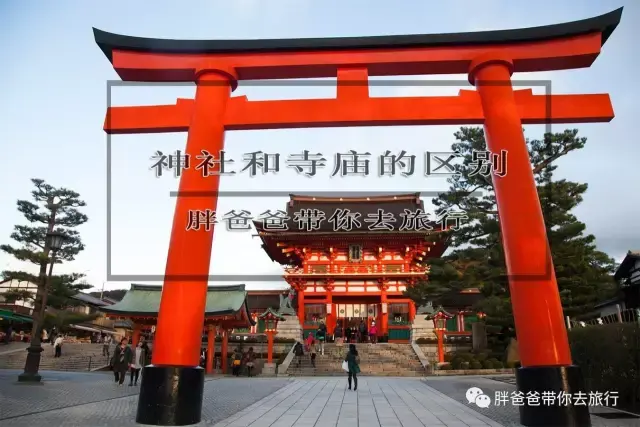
(45, 336)
(347, 334)
(373, 333)
(136, 364)
(147, 352)
(309, 341)
(337, 334)
(105, 345)
(122, 357)
(57, 346)
(321, 336)
(237, 362)
(249, 359)
(8, 335)
(299, 352)
(353, 362)
(313, 351)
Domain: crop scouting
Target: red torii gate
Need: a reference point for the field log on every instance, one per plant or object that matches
(489, 58)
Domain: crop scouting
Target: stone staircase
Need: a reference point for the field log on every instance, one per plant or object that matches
(75, 357)
(392, 360)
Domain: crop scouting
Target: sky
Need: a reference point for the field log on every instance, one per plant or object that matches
(54, 98)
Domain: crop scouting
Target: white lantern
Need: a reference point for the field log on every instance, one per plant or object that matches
(384, 308)
(329, 308)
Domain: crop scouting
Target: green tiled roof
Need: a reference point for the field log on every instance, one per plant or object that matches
(145, 300)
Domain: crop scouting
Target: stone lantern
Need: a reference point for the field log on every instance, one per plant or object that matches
(440, 318)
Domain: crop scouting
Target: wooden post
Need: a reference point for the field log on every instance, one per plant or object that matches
(211, 349)
(301, 307)
(270, 335)
(223, 350)
(568, 323)
(440, 334)
(619, 310)
(384, 309)
(135, 338)
(330, 316)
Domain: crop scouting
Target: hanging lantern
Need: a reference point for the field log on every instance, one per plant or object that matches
(481, 315)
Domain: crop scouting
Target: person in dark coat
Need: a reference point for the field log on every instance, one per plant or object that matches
(337, 334)
(147, 352)
(362, 331)
(353, 362)
(122, 358)
(321, 336)
(299, 352)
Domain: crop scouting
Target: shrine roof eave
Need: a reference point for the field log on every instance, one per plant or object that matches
(604, 24)
(270, 240)
(310, 235)
(368, 198)
(143, 301)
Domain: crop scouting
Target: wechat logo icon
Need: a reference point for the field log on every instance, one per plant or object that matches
(477, 396)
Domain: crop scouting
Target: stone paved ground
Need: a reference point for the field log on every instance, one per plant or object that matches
(92, 399)
(379, 402)
(456, 388)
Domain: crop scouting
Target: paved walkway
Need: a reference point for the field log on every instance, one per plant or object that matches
(379, 402)
(92, 399)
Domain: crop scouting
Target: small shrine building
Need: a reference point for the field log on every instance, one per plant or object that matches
(226, 309)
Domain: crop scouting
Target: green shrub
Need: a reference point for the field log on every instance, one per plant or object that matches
(456, 362)
(466, 356)
(448, 357)
(445, 367)
(474, 364)
(487, 364)
(465, 365)
(498, 365)
(609, 357)
(481, 356)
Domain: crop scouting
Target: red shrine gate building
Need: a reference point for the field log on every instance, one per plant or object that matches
(348, 273)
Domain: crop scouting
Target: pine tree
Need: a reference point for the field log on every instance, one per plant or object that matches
(584, 274)
(52, 210)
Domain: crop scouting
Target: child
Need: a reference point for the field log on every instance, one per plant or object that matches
(313, 353)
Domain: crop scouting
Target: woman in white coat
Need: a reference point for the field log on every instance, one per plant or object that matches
(137, 363)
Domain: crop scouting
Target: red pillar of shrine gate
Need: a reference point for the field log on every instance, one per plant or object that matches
(182, 305)
(542, 337)
(178, 339)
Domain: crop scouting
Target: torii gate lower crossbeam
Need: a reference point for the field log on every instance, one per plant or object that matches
(489, 59)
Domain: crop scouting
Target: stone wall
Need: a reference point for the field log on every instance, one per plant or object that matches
(431, 350)
(290, 328)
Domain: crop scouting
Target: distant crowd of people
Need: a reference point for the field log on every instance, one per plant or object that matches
(354, 333)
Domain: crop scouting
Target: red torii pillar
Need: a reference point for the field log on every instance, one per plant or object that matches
(184, 293)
